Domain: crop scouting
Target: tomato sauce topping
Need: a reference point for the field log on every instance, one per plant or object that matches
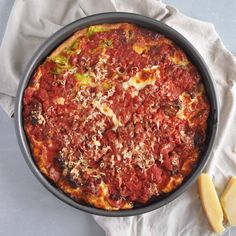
(117, 117)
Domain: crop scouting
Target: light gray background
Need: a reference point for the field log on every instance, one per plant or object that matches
(26, 208)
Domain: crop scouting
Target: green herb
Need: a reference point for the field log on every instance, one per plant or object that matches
(103, 44)
(74, 45)
(84, 79)
(95, 29)
(59, 59)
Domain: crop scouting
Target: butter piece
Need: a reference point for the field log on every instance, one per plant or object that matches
(210, 202)
(228, 201)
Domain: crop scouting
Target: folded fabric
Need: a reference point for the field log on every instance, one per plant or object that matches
(32, 22)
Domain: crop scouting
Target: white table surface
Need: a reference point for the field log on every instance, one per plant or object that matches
(26, 207)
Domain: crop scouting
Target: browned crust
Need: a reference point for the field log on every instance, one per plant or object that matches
(68, 42)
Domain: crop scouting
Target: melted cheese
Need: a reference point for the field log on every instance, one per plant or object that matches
(60, 101)
(186, 103)
(107, 111)
(178, 61)
(138, 83)
(173, 182)
(39, 117)
(182, 98)
(138, 48)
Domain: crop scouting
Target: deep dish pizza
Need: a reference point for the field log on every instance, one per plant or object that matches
(116, 116)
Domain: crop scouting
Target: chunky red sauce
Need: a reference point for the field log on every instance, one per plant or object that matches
(121, 107)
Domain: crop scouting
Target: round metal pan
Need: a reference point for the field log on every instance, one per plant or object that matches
(115, 17)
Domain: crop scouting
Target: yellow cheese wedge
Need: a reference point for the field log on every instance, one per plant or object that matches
(210, 202)
(228, 201)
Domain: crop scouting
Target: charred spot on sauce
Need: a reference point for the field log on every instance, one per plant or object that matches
(199, 138)
(34, 120)
(72, 182)
(171, 109)
(121, 70)
(130, 35)
(151, 35)
(59, 161)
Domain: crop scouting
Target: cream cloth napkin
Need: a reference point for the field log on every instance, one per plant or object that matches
(32, 22)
